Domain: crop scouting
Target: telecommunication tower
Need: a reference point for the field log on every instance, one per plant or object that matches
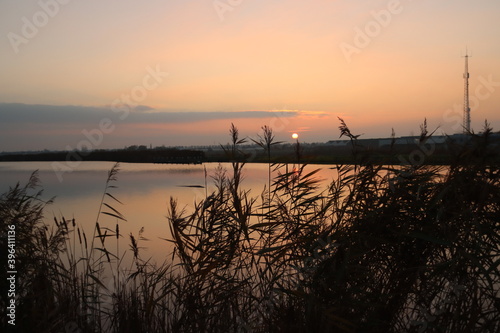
(466, 124)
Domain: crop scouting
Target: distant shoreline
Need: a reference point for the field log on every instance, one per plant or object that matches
(336, 152)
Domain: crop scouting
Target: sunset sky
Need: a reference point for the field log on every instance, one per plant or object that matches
(178, 72)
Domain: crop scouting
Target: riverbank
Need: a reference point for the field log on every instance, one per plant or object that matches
(411, 150)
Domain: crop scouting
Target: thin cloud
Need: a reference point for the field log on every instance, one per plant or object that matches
(55, 114)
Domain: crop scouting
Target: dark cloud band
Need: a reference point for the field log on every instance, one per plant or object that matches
(54, 114)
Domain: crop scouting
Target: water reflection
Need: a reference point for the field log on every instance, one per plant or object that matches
(144, 189)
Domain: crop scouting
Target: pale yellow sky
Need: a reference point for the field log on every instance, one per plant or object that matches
(379, 64)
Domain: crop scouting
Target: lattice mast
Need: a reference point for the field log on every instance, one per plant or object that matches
(466, 124)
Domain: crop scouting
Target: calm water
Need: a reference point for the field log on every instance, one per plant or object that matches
(144, 189)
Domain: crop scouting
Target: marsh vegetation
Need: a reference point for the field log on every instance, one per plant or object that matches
(405, 248)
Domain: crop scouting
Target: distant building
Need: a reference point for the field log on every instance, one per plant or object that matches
(404, 140)
(338, 143)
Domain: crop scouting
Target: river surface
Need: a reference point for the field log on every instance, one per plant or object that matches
(144, 190)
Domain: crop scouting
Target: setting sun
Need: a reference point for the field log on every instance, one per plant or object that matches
(295, 136)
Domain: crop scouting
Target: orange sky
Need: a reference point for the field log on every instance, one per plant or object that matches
(378, 64)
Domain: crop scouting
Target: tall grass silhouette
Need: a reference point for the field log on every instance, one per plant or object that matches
(404, 248)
